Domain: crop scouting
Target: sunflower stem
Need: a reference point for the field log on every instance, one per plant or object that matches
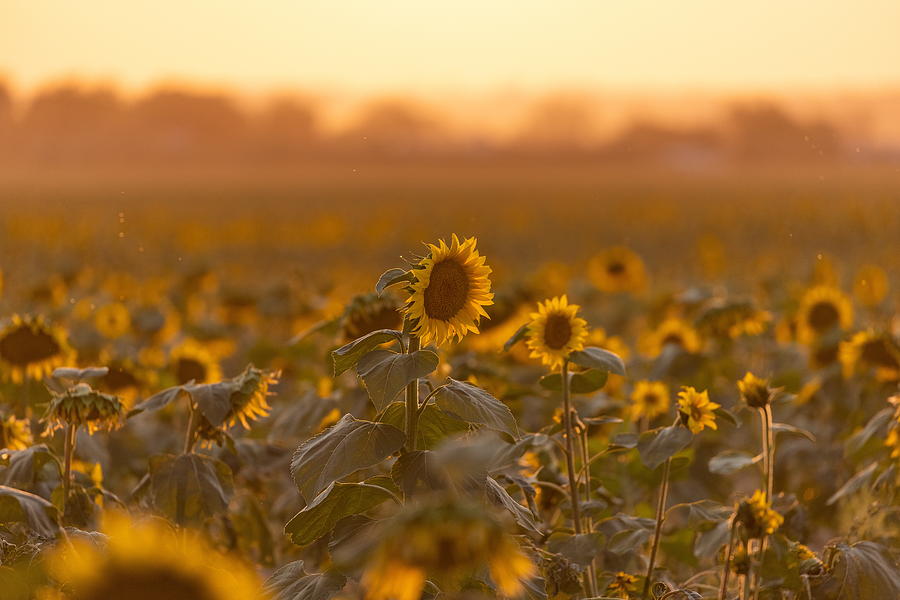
(726, 569)
(570, 462)
(770, 446)
(67, 469)
(412, 400)
(189, 435)
(657, 531)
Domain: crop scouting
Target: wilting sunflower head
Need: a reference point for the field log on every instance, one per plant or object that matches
(443, 541)
(370, 312)
(82, 405)
(617, 269)
(113, 320)
(696, 410)
(755, 391)
(555, 331)
(757, 516)
(623, 585)
(31, 349)
(249, 402)
(15, 433)
(147, 560)
(672, 331)
(192, 361)
(870, 286)
(871, 350)
(823, 309)
(450, 291)
(649, 399)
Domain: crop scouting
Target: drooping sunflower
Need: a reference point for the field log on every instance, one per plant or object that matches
(444, 541)
(649, 399)
(696, 410)
(617, 269)
(450, 291)
(871, 350)
(674, 331)
(30, 348)
(870, 286)
(192, 361)
(156, 322)
(15, 433)
(249, 402)
(113, 320)
(555, 331)
(82, 405)
(147, 560)
(757, 516)
(823, 309)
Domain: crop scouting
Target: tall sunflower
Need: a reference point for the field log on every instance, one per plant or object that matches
(450, 291)
(147, 560)
(617, 269)
(30, 348)
(823, 309)
(555, 331)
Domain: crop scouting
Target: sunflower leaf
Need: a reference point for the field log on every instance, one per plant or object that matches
(792, 430)
(657, 445)
(520, 334)
(36, 512)
(387, 373)
(854, 484)
(159, 400)
(732, 461)
(349, 354)
(191, 487)
(337, 501)
(864, 570)
(213, 399)
(434, 425)
(346, 447)
(393, 277)
(598, 358)
(473, 404)
(584, 382)
(291, 582)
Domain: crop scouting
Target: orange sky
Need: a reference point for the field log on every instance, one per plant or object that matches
(426, 45)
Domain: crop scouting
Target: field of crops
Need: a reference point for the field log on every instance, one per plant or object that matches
(403, 381)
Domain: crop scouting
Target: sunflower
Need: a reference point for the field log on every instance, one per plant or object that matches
(623, 585)
(823, 309)
(157, 321)
(30, 348)
(617, 269)
(147, 560)
(674, 331)
(450, 291)
(696, 410)
(15, 434)
(649, 399)
(870, 285)
(113, 320)
(757, 516)
(755, 391)
(83, 405)
(125, 379)
(444, 541)
(555, 331)
(192, 361)
(869, 349)
(249, 402)
(370, 312)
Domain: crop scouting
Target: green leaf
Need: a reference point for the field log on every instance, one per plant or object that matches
(520, 334)
(213, 399)
(79, 374)
(346, 447)
(727, 415)
(416, 471)
(707, 543)
(473, 404)
(584, 382)
(863, 571)
(854, 484)
(598, 358)
(21, 468)
(700, 512)
(732, 461)
(349, 354)
(623, 441)
(580, 549)
(433, 427)
(877, 426)
(393, 277)
(337, 501)
(387, 373)
(291, 582)
(37, 513)
(189, 487)
(657, 445)
(796, 431)
(159, 400)
(522, 515)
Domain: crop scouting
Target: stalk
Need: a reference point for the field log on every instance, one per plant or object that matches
(570, 464)
(189, 435)
(412, 401)
(69, 452)
(660, 513)
(726, 570)
(770, 443)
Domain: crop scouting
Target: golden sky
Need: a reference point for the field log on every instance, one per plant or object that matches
(426, 45)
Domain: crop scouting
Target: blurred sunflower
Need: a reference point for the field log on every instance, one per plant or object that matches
(696, 410)
(30, 348)
(370, 312)
(82, 405)
(445, 541)
(450, 292)
(125, 379)
(249, 402)
(649, 399)
(555, 331)
(869, 349)
(157, 321)
(623, 585)
(617, 269)
(674, 331)
(823, 309)
(147, 560)
(15, 433)
(870, 286)
(192, 361)
(757, 516)
(755, 391)
(113, 320)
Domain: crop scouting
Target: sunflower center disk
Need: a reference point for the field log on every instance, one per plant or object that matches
(823, 316)
(557, 332)
(24, 346)
(447, 291)
(615, 268)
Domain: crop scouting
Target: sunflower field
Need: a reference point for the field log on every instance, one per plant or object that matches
(472, 387)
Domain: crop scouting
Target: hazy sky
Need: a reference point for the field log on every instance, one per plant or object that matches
(428, 45)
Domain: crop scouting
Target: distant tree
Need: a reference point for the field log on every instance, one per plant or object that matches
(392, 128)
(560, 124)
(765, 132)
(287, 128)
